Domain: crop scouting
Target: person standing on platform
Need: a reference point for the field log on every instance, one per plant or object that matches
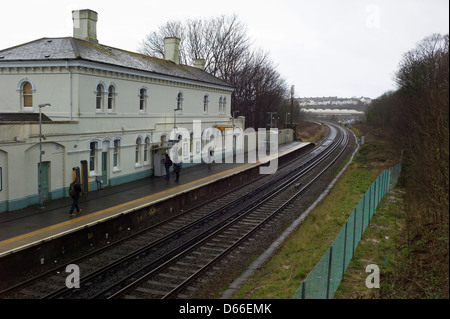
(74, 192)
(176, 169)
(167, 165)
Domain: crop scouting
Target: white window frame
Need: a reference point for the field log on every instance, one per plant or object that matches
(143, 98)
(205, 104)
(102, 97)
(112, 98)
(180, 99)
(19, 90)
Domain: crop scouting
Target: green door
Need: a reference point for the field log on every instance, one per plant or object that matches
(45, 180)
(105, 168)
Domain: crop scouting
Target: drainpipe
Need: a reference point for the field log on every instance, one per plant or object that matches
(70, 89)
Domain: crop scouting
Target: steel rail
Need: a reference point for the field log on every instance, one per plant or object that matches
(280, 189)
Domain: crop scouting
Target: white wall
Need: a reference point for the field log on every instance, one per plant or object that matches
(76, 123)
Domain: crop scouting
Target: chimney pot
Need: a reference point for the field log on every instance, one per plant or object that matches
(199, 63)
(85, 25)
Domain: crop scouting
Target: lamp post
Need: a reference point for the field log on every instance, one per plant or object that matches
(41, 197)
(292, 106)
(175, 118)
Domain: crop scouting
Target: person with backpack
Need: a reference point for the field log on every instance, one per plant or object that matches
(74, 192)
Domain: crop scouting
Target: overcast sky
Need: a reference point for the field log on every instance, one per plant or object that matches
(338, 48)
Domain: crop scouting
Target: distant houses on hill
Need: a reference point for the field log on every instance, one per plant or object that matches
(334, 102)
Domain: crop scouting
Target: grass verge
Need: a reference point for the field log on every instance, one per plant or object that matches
(282, 275)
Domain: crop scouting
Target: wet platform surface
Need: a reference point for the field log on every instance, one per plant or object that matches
(23, 228)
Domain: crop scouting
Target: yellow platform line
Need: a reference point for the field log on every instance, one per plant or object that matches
(81, 218)
(136, 201)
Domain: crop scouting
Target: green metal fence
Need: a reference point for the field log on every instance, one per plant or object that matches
(325, 278)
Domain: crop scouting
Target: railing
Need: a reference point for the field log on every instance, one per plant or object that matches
(323, 281)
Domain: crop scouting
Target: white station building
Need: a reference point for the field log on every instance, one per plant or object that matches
(110, 116)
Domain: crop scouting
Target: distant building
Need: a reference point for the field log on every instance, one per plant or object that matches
(111, 112)
(332, 100)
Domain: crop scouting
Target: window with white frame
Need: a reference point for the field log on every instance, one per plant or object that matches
(92, 156)
(27, 93)
(26, 90)
(137, 158)
(220, 105)
(111, 98)
(224, 105)
(143, 95)
(116, 154)
(163, 140)
(180, 99)
(147, 150)
(205, 104)
(99, 100)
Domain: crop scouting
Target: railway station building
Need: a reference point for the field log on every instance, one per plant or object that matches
(106, 113)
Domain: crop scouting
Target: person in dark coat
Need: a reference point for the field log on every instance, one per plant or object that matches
(167, 164)
(177, 169)
(74, 191)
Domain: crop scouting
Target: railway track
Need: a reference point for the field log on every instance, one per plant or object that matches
(173, 276)
(165, 258)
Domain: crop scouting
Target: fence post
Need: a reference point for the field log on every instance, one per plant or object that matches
(390, 175)
(303, 289)
(345, 249)
(386, 173)
(354, 232)
(329, 271)
(372, 206)
(379, 190)
(362, 218)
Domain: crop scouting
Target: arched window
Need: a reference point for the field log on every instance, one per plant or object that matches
(99, 97)
(205, 104)
(163, 140)
(180, 101)
(26, 89)
(143, 99)
(116, 153)
(27, 93)
(138, 151)
(147, 150)
(224, 105)
(220, 105)
(111, 98)
(92, 158)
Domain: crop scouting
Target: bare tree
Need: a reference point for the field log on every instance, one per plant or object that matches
(224, 44)
(418, 115)
(424, 85)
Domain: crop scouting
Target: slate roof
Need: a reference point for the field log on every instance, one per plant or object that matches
(69, 48)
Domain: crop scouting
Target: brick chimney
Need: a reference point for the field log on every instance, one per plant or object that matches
(172, 49)
(85, 25)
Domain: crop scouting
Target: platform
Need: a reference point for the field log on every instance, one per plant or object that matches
(31, 226)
